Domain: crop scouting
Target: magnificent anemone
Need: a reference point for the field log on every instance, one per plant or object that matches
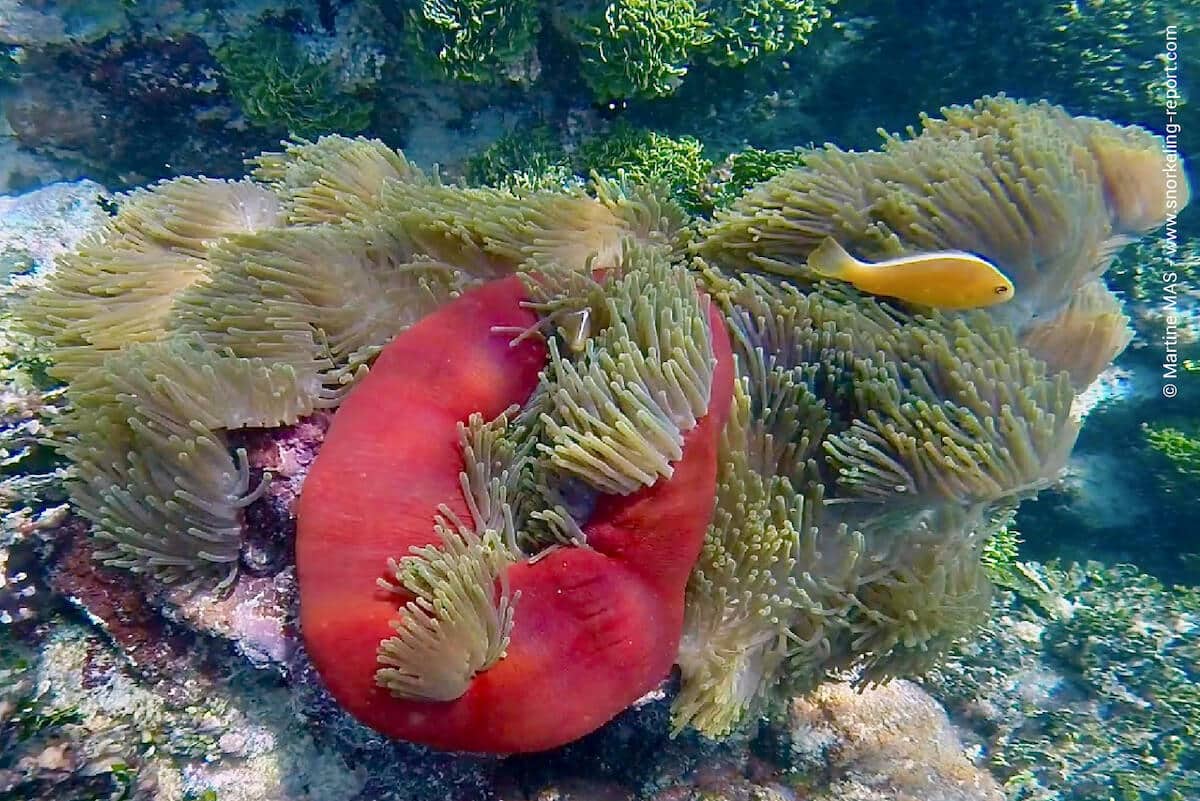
(871, 453)
(280, 293)
(515, 502)
(434, 620)
(1049, 198)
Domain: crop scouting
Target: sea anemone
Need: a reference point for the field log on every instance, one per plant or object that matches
(1047, 197)
(1084, 337)
(154, 472)
(432, 624)
(279, 292)
(509, 533)
(871, 454)
(118, 287)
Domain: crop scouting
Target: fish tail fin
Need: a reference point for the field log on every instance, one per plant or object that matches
(830, 259)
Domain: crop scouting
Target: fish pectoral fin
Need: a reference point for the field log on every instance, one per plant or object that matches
(831, 260)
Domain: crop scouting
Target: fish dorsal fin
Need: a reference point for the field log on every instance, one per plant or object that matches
(831, 260)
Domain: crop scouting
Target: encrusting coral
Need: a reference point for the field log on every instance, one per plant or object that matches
(512, 516)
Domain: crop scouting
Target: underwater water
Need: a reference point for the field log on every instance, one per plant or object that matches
(656, 400)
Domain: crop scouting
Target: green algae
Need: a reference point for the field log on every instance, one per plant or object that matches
(279, 87)
(638, 48)
(647, 157)
(475, 41)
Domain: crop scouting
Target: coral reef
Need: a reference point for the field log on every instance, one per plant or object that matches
(34, 229)
(647, 157)
(540, 159)
(1117, 50)
(745, 168)
(1107, 58)
(877, 756)
(644, 48)
(148, 93)
(1144, 270)
(76, 722)
(156, 102)
(747, 31)
(1116, 482)
(1083, 686)
(1157, 280)
(1181, 449)
(223, 356)
(524, 159)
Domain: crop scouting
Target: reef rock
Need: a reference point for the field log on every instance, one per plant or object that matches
(37, 226)
(888, 743)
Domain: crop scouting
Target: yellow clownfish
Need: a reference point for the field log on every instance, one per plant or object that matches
(945, 280)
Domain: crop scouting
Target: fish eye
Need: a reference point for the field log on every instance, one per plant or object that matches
(1000, 290)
